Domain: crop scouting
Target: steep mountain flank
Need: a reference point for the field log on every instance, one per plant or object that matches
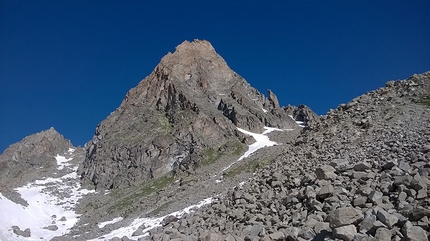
(189, 106)
(361, 173)
(31, 157)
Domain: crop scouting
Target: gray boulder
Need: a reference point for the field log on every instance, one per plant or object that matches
(414, 232)
(346, 233)
(345, 216)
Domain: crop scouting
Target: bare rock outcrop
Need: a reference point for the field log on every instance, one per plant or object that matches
(191, 103)
(27, 159)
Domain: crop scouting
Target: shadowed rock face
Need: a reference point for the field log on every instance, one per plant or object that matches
(191, 102)
(26, 159)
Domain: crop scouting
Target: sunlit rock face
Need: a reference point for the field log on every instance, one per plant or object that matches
(190, 103)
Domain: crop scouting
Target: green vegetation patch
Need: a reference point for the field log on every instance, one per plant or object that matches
(210, 156)
(246, 167)
(239, 148)
(125, 200)
(423, 100)
(161, 208)
(164, 123)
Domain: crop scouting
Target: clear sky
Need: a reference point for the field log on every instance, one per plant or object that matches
(68, 64)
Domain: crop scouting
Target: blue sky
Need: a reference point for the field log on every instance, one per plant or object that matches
(68, 64)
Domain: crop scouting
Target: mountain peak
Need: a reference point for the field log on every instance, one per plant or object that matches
(195, 58)
(37, 150)
(191, 104)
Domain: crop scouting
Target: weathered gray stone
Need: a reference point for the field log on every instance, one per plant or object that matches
(213, 237)
(326, 191)
(360, 175)
(322, 226)
(51, 227)
(418, 213)
(360, 201)
(375, 196)
(345, 216)
(386, 218)
(390, 164)
(404, 166)
(326, 172)
(277, 236)
(26, 233)
(414, 232)
(230, 237)
(291, 233)
(383, 234)
(257, 230)
(169, 219)
(367, 223)
(346, 233)
(307, 233)
(339, 164)
(138, 232)
(363, 237)
(362, 166)
(422, 193)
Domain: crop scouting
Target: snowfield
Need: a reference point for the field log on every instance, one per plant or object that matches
(149, 223)
(115, 220)
(50, 211)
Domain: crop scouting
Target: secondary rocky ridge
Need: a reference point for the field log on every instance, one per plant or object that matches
(28, 159)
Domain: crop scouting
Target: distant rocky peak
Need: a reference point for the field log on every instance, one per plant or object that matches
(32, 154)
(45, 141)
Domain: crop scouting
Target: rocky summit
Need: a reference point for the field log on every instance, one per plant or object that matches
(190, 104)
(195, 153)
(26, 160)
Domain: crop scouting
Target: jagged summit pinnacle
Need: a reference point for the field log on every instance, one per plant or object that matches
(196, 45)
(188, 52)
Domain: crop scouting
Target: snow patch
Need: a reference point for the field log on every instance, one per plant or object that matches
(62, 161)
(300, 123)
(115, 220)
(149, 223)
(261, 140)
